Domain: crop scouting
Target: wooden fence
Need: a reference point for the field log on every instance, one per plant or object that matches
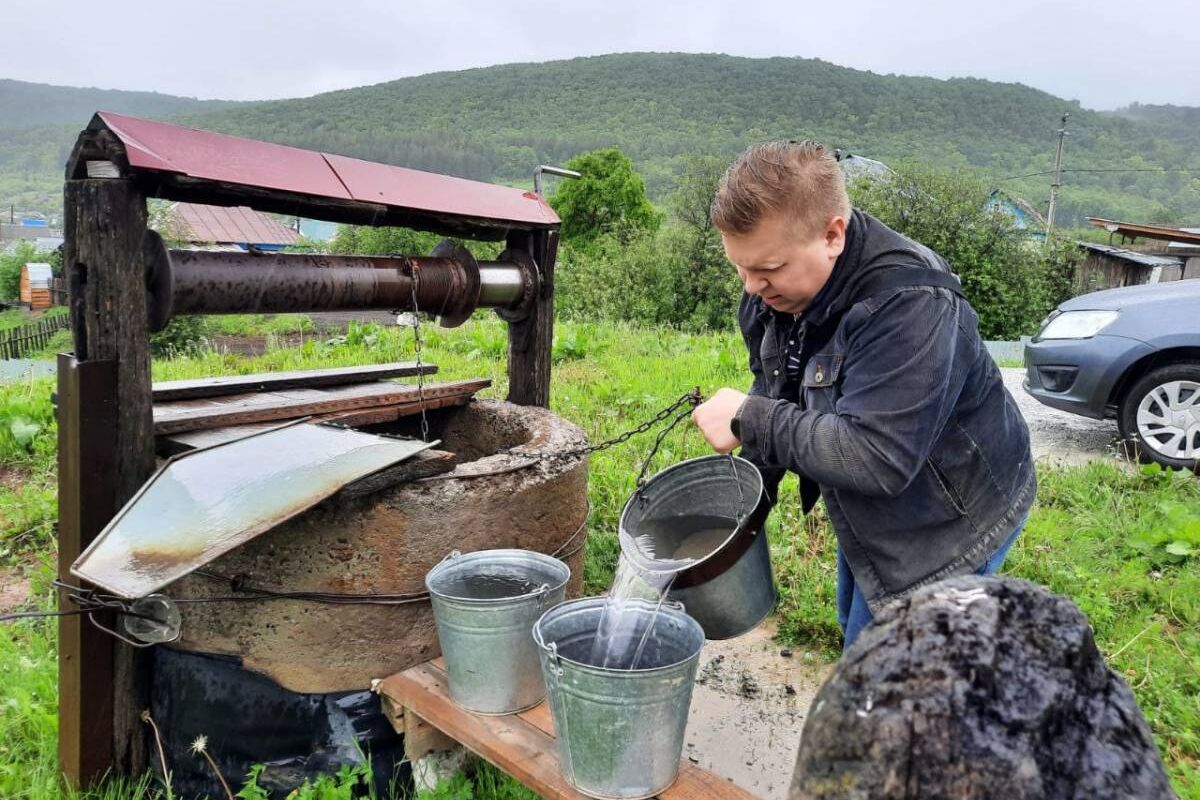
(58, 292)
(16, 342)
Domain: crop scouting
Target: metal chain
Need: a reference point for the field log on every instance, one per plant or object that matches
(692, 399)
(416, 312)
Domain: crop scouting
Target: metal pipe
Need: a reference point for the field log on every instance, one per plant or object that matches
(210, 282)
(500, 284)
(550, 170)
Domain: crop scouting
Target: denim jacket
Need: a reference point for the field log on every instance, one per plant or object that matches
(900, 417)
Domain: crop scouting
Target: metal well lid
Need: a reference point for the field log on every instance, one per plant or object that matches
(202, 504)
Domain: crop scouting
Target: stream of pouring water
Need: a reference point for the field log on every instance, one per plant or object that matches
(665, 547)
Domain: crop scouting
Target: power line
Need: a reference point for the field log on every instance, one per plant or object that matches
(1098, 169)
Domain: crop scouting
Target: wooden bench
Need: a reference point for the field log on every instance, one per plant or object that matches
(418, 703)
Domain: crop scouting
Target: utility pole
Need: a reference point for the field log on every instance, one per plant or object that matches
(1062, 134)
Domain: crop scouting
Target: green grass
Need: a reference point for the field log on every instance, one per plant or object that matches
(258, 324)
(1124, 545)
(15, 318)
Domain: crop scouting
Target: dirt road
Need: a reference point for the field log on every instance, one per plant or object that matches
(1057, 436)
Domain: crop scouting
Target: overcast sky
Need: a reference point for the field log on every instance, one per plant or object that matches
(1104, 53)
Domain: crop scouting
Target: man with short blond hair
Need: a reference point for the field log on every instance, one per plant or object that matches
(870, 381)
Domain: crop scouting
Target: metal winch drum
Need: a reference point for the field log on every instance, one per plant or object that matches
(620, 731)
(491, 659)
(732, 589)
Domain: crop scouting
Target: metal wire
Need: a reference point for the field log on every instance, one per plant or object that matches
(90, 602)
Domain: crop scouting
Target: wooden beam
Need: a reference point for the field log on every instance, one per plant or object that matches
(241, 409)
(383, 414)
(421, 738)
(530, 341)
(176, 443)
(86, 427)
(105, 255)
(166, 391)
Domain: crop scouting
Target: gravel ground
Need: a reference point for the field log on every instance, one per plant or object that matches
(1057, 436)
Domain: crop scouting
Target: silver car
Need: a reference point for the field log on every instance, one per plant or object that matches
(1132, 354)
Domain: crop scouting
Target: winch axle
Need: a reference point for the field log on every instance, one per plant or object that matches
(449, 284)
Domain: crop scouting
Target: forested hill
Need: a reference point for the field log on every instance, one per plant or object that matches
(497, 122)
(24, 105)
(1179, 124)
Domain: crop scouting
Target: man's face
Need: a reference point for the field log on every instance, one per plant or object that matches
(782, 267)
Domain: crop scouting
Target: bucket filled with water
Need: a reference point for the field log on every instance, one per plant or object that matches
(485, 605)
(619, 694)
(695, 531)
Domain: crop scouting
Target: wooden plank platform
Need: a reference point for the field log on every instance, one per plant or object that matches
(522, 745)
(166, 391)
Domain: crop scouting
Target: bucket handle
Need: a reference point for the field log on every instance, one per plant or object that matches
(542, 593)
(453, 554)
(555, 663)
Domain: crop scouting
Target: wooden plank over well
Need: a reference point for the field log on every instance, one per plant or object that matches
(242, 409)
(166, 391)
(522, 745)
(175, 443)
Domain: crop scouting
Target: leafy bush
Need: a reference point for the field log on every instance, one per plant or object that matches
(349, 783)
(183, 335)
(368, 241)
(1011, 280)
(27, 425)
(608, 198)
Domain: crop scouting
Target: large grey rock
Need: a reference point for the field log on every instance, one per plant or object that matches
(977, 688)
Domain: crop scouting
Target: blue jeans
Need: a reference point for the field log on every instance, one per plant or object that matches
(853, 612)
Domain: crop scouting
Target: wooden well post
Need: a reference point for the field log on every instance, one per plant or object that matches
(106, 452)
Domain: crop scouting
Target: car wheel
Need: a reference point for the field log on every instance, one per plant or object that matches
(1160, 416)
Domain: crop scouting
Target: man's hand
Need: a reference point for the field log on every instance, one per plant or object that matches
(712, 418)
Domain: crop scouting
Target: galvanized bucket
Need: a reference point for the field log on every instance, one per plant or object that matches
(732, 588)
(485, 604)
(620, 731)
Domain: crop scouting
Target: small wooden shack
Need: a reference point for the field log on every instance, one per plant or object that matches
(35, 286)
(1108, 267)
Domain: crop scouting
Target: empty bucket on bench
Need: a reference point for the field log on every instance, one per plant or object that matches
(620, 731)
(485, 604)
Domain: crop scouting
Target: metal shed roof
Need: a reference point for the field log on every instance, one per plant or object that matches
(1132, 229)
(236, 224)
(39, 274)
(1141, 259)
(215, 158)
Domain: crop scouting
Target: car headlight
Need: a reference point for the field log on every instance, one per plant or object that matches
(1077, 324)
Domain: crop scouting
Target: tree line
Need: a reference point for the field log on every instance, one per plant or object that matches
(623, 257)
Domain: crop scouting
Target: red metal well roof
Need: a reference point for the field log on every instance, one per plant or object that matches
(232, 224)
(429, 191)
(158, 146)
